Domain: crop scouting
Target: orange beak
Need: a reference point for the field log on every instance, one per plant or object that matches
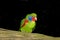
(36, 18)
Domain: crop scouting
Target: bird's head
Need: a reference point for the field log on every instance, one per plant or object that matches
(32, 17)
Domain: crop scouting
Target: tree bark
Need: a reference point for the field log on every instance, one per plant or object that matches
(16, 35)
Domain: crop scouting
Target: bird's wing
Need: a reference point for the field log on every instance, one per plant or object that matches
(23, 22)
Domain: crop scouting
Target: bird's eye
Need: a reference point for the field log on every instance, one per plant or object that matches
(30, 18)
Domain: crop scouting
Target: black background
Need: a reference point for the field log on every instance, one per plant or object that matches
(12, 12)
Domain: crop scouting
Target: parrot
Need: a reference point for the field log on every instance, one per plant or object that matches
(28, 23)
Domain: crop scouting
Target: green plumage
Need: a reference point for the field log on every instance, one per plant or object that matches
(30, 26)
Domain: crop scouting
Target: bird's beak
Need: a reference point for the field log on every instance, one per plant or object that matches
(36, 18)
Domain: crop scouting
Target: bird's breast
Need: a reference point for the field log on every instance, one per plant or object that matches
(31, 24)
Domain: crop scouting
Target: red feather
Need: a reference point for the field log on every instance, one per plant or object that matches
(26, 21)
(33, 18)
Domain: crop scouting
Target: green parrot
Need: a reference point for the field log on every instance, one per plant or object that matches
(28, 23)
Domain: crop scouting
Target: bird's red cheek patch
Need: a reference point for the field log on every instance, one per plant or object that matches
(33, 18)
